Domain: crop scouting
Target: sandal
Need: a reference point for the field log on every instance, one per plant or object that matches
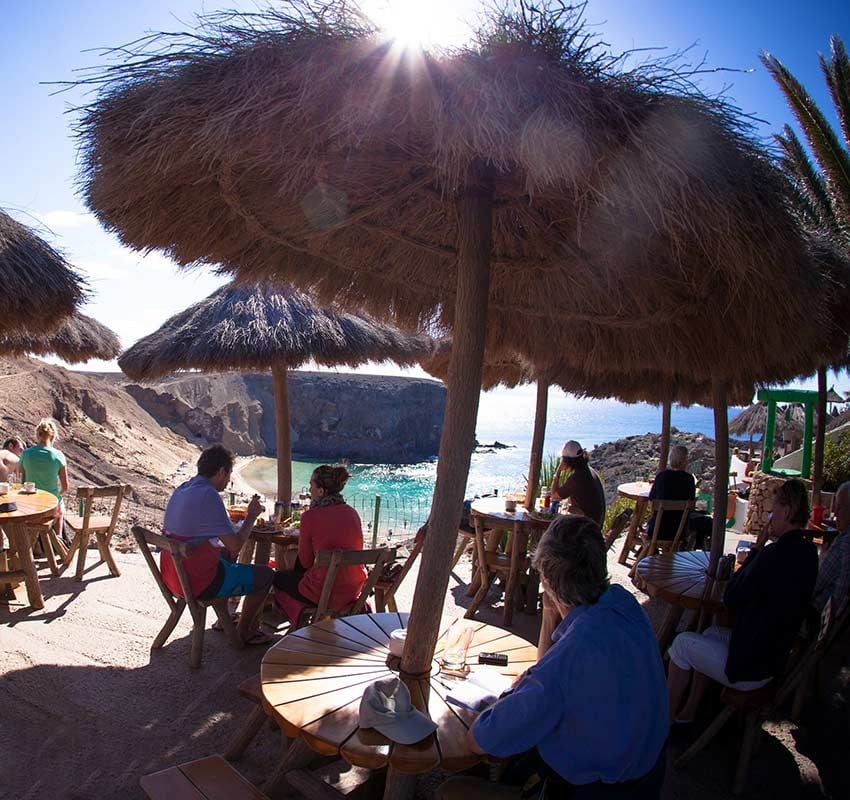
(216, 626)
(260, 638)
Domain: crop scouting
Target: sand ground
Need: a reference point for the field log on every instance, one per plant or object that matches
(87, 708)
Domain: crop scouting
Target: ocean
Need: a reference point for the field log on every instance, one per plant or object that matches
(504, 415)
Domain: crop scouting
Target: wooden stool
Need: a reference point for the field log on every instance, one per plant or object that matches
(210, 778)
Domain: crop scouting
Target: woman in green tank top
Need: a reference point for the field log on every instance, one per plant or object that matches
(46, 466)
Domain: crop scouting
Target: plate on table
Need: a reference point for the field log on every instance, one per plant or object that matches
(24, 491)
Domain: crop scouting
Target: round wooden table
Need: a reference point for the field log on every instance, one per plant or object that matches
(39, 506)
(488, 513)
(313, 680)
(639, 492)
(681, 580)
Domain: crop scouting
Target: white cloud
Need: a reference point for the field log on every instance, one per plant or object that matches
(58, 220)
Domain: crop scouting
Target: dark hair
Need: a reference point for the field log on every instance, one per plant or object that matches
(571, 556)
(213, 459)
(794, 494)
(13, 440)
(577, 462)
(331, 479)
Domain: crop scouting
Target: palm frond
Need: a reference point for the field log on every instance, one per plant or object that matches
(836, 71)
(811, 195)
(833, 159)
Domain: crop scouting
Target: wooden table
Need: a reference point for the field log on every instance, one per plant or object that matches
(491, 515)
(257, 547)
(639, 492)
(681, 580)
(32, 508)
(313, 680)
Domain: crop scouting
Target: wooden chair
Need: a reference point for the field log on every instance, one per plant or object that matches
(197, 608)
(652, 545)
(102, 526)
(765, 703)
(210, 778)
(386, 588)
(491, 564)
(333, 560)
(618, 525)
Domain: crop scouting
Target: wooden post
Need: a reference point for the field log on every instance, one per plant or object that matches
(474, 214)
(820, 437)
(283, 437)
(664, 448)
(536, 460)
(721, 475)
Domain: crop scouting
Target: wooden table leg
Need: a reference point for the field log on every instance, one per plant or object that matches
(297, 756)
(22, 544)
(668, 628)
(519, 538)
(637, 518)
(400, 785)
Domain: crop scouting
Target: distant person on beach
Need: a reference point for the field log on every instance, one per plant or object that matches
(834, 572)
(46, 467)
(329, 524)
(676, 483)
(577, 482)
(195, 514)
(10, 456)
(769, 595)
(589, 717)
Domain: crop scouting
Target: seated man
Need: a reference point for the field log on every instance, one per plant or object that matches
(10, 455)
(676, 483)
(589, 717)
(769, 595)
(196, 514)
(834, 573)
(576, 481)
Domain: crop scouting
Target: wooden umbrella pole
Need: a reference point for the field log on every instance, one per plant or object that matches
(664, 448)
(721, 475)
(474, 216)
(820, 437)
(283, 437)
(536, 460)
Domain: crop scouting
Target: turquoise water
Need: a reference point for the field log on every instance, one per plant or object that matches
(506, 416)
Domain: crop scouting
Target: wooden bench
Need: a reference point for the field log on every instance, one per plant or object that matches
(209, 778)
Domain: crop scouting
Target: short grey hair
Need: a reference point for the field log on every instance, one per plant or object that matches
(571, 556)
(679, 457)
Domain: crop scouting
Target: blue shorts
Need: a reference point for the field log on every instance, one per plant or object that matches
(237, 580)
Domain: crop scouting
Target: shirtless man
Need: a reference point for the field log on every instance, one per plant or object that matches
(9, 456)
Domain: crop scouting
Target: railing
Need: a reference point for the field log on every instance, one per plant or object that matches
(400, 515)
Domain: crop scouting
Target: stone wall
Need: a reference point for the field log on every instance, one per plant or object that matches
(761, 501)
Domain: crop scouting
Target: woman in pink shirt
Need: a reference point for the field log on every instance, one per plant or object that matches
(330, 524)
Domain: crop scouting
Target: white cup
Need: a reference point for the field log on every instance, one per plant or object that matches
(29, 486)
(4, 488)
(397, 639)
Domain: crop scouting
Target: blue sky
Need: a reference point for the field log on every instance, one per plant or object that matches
(45, 40)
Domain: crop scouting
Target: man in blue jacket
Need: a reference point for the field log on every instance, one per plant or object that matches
(590, 717)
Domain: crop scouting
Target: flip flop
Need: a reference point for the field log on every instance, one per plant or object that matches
(260, 638)
(216, 626)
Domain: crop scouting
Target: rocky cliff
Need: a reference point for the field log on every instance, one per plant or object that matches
(366, 418)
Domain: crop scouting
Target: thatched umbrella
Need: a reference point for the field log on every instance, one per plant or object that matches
(76, 340)
(39, 288)
(753, 419)
(267, 326)
(834, 397)
(596, 216)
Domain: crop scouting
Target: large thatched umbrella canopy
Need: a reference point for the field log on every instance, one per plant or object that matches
(753, 419)
(595, 214)
(268, 326)
(39, 288)
(77, 339)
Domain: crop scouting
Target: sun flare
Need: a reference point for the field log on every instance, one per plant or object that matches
(419, 24)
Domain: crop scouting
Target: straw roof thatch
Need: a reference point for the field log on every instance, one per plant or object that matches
(634, 220)
(257, 327)
(752, 420)
(39, 288)
(500, 369)
(77, 339)
(834, 397)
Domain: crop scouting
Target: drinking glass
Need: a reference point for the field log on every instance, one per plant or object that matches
(458, 639)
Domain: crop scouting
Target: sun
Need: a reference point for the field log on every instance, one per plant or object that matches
(419, 24)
